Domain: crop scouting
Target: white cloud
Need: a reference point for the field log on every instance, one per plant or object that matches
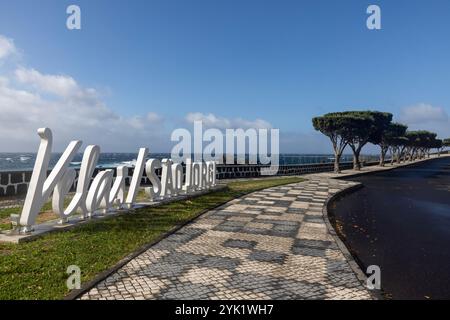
(62, 86)
(154, 117)
(30, 100)
(88, 120)
(212, 121)
(426, 117)
(7, 47)
(423, 113)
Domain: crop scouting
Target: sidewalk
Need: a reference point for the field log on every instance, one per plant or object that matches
(271, 244)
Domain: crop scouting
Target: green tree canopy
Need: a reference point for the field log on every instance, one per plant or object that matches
(419, 141)
(393, 136)
(353, 128)
(362, 127)
(446, 142)
(436, 144)
(334, 127)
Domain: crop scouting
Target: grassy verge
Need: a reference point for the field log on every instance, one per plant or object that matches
(36, 270)
(46, 213)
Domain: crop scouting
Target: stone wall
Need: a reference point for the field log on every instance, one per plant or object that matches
(16, 182)
(253, 171)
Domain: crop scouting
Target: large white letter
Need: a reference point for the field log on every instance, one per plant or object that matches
(177, 177)
(155, 190)
(137, 177)
(117, 195)
(166, 178)
(40, 186)
(99, 192)
(211, 178)
(188, 184)
(61, 190)
(88, 164)
(197, 175)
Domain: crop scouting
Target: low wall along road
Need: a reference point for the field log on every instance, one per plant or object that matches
(15, 183)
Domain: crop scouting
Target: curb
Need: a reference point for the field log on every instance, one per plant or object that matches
(351, 260)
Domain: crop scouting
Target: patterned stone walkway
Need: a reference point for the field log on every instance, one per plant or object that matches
(271, 244)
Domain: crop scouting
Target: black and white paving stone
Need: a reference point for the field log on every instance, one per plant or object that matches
(270, 244)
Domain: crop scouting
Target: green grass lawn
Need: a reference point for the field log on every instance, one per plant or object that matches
(4, 217)
(37, 269)
(5, 213)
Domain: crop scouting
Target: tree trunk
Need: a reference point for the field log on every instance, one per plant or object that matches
(400, 155)
(394, 155)
(383, 156)
(356, 162)
(338, 148)
(337, 158)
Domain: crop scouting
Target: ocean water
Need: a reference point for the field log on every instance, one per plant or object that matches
(25, 161)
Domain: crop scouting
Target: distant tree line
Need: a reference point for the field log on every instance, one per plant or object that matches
(358, 128)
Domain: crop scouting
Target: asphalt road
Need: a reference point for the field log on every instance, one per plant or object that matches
(400, 221)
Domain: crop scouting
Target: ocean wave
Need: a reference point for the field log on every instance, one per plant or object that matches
(131, 163)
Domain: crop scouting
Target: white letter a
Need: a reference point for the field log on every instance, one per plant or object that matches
(74, 20)
(374, 20)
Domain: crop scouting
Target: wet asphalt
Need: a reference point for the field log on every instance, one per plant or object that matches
(400, 221)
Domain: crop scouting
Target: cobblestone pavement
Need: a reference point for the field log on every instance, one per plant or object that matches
(270, 244)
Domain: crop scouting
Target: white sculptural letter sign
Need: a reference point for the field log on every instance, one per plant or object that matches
(104, 191)
(40, 186)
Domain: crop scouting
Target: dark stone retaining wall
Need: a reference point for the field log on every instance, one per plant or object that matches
(14, 183)
(253, 171)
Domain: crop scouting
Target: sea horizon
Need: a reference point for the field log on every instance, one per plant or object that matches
(22, 161)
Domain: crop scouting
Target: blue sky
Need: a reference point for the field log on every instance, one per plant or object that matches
(149, 64)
